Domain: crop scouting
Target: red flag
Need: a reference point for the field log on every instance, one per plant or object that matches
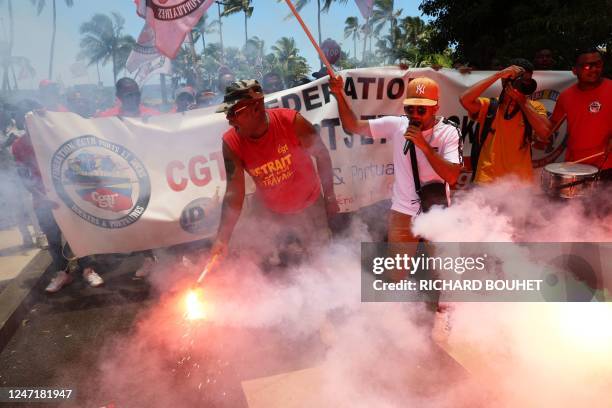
(171, 20)
(365, 7)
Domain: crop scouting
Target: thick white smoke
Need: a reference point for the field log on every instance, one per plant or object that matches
(529, 354)
(308, 322)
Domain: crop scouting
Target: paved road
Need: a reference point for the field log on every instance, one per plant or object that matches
(115, 345)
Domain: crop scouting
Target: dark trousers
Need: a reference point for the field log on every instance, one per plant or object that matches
(54, 238)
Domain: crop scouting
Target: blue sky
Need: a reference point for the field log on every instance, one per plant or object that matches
(33, 32)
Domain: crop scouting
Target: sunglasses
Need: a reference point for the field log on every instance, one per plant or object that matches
(421, 110)
(232, 113)
(591, 65)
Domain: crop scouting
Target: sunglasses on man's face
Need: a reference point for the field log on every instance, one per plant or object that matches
(421, 110)
(232, 113)
(591, 65)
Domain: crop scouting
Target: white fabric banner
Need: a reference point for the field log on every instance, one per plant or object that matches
(127, 184)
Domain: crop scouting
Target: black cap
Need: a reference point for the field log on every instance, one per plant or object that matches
(238, 91)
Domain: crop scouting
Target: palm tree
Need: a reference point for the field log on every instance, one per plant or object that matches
(366, 28)
(203, 28)
(286, 60)
(352, 28)
(254, 55)
(236, 6)
(220, 29)
(6, 49)
(382, 13)
(299, 5)
(104, 41)
(40, 5)
(408, 42)
(415, 29)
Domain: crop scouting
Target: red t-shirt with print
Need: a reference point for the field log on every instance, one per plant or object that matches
(283, 172)
(589, 121)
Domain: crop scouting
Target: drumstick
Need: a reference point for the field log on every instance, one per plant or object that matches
(587, 158)
(558, 125)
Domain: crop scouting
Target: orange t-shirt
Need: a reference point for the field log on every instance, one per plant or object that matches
(589, 121)
(116, 111)
(283, 172)
(503, 152)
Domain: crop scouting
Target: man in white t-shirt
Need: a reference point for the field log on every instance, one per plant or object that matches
(437, 142)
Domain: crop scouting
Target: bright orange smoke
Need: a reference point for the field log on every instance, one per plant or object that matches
(194, 305)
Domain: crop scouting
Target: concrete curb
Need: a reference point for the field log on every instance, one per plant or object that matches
(16, 298)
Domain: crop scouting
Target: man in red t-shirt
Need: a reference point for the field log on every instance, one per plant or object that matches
(588, 106)
(128, 94)
(274, 146)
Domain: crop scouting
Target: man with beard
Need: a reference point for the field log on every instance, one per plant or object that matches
(274, 146)
(438, 148)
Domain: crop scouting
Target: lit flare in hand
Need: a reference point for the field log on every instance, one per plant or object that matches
(194, 305)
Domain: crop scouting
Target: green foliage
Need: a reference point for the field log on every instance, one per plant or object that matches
(285, 60)
(408, 43)
(483, 30)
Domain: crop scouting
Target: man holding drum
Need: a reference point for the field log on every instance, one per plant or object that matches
(588, 106)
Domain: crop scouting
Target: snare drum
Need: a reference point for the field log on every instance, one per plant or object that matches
(567, 180)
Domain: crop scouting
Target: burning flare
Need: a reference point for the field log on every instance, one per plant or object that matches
(194, 305)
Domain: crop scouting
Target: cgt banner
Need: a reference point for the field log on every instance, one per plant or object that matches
(127, 184)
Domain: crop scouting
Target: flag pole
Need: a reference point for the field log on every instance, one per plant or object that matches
(311, 38)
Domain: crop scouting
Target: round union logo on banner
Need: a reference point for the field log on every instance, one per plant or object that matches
(100, 181)
(201, 216)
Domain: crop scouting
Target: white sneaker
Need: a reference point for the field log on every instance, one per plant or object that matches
(41, 241)
(61, 279)
(92, 277)
(146, 268)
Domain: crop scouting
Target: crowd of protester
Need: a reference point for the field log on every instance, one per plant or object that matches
(26, 205)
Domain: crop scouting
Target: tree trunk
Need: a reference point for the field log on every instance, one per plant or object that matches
(11, 27)
(365, 38)
(194, 60)
(319, 26)
(98, 70)
(220, 31)
(355, 46)
(246, 34)
(15, 87)
(52, 43)
(6, 85)
(203, 42)
(114, 69)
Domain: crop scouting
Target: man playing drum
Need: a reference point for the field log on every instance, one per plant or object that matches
(588, 106)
